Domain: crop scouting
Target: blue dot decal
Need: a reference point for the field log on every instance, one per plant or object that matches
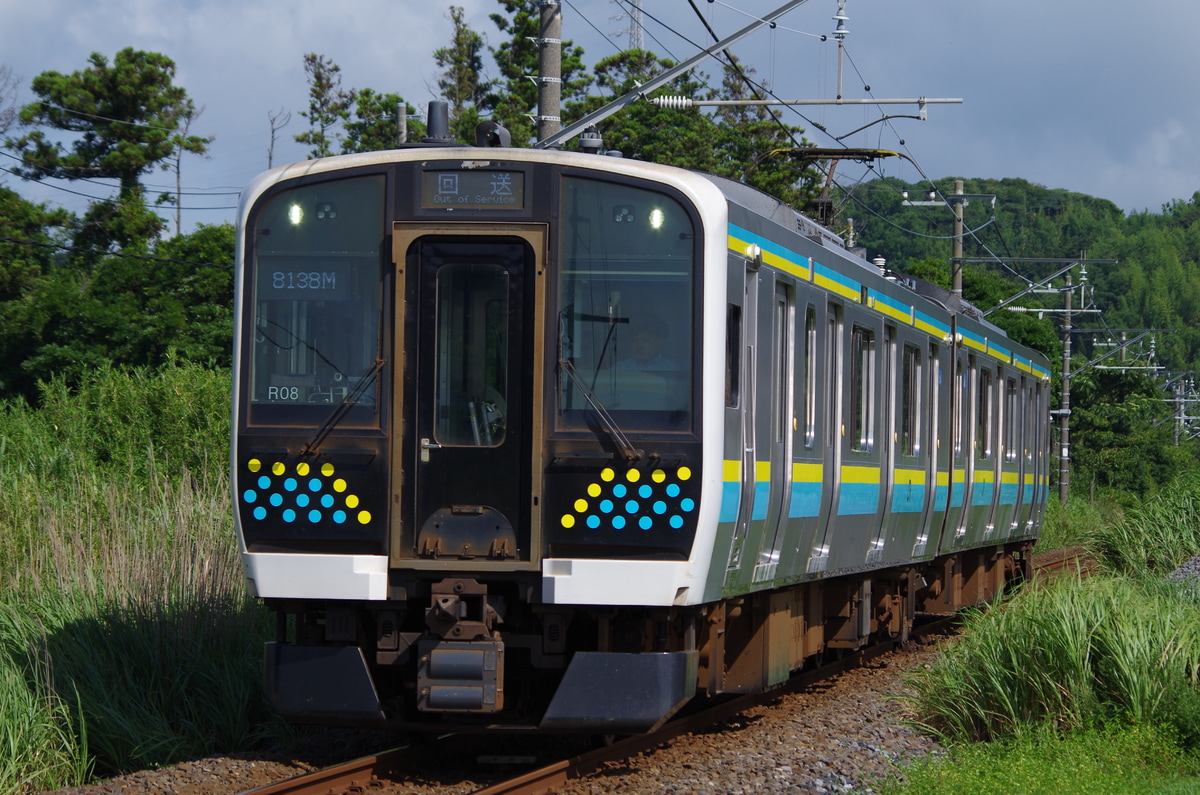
(633, 498)
(310, 492)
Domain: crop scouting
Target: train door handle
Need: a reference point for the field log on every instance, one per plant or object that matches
(426, 446)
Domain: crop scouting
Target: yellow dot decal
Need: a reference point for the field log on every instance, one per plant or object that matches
(364, 517)
(302, 468)
(278, 468)
(581, 506)
(594, 490)
(254, 465)
(607, 474)
(352, 501)
(658, 476)
(327, 469)
(339, 485)
(633, 476)
(684, 473)
(568, 521)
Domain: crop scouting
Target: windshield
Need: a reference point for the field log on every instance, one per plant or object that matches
(317, 302)
(625, 306)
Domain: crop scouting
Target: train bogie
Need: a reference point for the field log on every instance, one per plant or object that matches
(532, 439)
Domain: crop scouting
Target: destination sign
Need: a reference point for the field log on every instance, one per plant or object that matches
(473, 190)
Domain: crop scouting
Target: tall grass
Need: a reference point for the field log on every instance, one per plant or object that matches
(126, 637)
(1072, 524)
(1158, 536)
(1077, 654)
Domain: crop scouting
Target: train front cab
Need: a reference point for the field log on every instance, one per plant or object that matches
(454, 440)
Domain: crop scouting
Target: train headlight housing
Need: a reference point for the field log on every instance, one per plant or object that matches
(295, 214)
(657, 218)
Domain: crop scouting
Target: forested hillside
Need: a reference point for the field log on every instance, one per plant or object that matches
(1155, 283)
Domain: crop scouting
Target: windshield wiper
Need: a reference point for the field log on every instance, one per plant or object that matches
(631, 453)
(352, 397)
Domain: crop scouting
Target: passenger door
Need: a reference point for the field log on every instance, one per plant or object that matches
(467, 415)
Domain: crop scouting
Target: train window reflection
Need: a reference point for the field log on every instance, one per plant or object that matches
(625, 306)
(317, 301)
(862, 386)
(471, 352)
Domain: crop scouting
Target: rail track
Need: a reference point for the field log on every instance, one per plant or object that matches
(373, 773)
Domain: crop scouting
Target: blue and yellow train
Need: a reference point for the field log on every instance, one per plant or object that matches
(544, 440)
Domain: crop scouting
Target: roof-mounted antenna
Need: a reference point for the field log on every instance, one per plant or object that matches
(438, 129)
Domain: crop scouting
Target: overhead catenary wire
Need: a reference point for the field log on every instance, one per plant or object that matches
(117, 254)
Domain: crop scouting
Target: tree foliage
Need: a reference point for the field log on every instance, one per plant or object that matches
(175, 305)
(129, 118)
(461, 80)
(328, 105)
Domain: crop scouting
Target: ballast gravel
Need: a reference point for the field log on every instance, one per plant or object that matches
(836, 737)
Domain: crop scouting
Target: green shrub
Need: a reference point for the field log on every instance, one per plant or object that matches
(1076, 653)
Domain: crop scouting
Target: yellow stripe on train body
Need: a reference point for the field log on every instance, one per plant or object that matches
(908, 477)
(808, 473)
(853, 474)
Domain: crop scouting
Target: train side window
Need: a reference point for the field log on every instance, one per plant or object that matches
(862, 389)
(983, 425)
(810, 377)
(733, 356)
(1011, 426)
(910, 401)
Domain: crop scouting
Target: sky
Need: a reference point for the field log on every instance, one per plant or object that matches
(1093, 96)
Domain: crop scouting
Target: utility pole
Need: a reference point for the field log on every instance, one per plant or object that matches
(1064, 417)
(956, 261)
(549, 118)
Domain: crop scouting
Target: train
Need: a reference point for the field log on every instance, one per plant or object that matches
(539, 440)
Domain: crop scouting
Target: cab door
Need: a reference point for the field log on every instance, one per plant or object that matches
(468, 410)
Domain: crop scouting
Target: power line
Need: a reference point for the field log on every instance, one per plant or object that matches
(118, 201)
(119, 255)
